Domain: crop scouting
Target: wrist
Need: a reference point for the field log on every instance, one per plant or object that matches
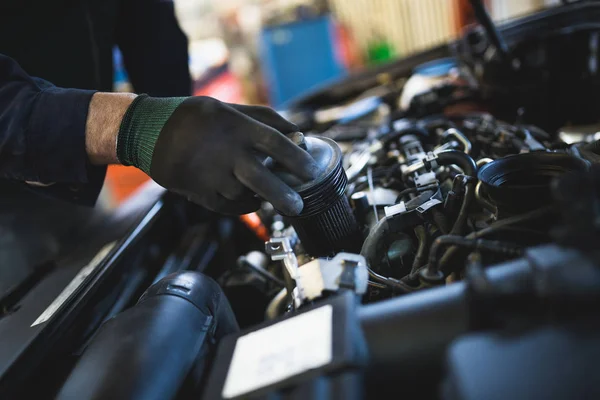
(140, 127)
(105, 113)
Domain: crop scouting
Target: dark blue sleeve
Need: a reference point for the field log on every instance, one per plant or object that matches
(42, 136)
(154, 48)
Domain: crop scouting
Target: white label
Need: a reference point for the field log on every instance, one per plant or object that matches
(73, 285)
(399, 208)
(280, 351)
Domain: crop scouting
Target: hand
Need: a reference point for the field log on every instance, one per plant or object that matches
(212, 152)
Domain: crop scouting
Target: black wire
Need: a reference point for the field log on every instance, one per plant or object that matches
(493, 229)
(377, 285)
(475, 244)
(265, 274)
(461, 219)
(422, 237)
(390, 282)
(411, 190)
(440, 220)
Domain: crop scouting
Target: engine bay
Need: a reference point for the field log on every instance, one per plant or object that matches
(447, 250)
(434, 185)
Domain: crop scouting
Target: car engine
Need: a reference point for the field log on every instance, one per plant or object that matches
(447, 250)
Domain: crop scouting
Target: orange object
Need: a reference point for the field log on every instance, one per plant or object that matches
(253, 222)
(225, 87)
(123, 181)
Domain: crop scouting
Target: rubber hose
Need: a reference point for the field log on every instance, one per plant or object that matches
(413, 130)
(421, 255)
(461, 219)
(475, 244)
(493, 229)
(149, 350)
(464, 161)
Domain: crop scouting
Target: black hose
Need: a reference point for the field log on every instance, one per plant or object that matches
(412, 190)
(464, 161)
(374, 241)
(421, 255)
(461, 219)
(440, 220)
(436, 122)
(372, 247)
(153, 348)
(411, 130)
(475, 244)
(493, 229)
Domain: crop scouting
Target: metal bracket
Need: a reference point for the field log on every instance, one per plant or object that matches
(280, 249)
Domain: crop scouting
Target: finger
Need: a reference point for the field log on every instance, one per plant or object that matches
(267, 116)
(232, 189)
(258, 178)
(284, 151)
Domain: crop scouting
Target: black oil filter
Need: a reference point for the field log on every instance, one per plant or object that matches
(326, 224)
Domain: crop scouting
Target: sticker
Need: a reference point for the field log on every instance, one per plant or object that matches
(74, 284)
(399, 208)
(280, 351)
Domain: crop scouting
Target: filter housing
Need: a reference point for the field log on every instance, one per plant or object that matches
(327, 224)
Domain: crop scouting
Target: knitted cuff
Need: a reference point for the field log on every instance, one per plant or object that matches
(141, 127)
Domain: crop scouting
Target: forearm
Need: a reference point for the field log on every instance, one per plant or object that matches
(42, 137)
(105, 113)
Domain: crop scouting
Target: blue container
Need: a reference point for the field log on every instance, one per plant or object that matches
(297, 57)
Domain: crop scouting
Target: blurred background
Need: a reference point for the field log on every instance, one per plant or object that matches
(272, 51)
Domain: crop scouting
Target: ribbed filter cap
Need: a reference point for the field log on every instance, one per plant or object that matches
(326, 224)
(328, 157)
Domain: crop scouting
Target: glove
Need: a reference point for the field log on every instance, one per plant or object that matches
(213, 152)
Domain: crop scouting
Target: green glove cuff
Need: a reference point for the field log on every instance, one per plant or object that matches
(141, 127)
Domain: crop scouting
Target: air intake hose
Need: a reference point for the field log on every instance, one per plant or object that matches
(148, 351)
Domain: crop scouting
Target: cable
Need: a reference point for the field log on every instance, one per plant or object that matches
(440, 220)
(411, 130)
(495, 246)
(483, 201)
(493, 229)
(372, 190)
(461, 219)
(390, 282)
(265, 274)
(377, 285)
(411, 190)
(516, 219)
(421, 255)
(464, 161)
(276, 304)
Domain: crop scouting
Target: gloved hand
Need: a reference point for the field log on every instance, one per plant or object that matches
(212, 152)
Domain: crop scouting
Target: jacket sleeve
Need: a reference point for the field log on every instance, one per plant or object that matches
(154, 48)
(42, 136)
